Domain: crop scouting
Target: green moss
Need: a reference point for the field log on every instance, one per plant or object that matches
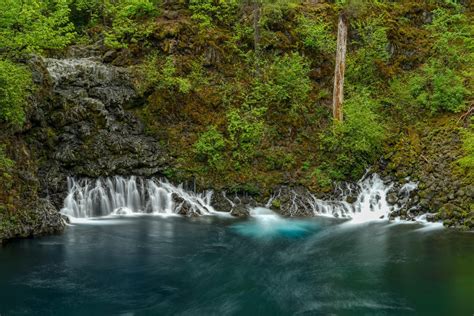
(276, 203)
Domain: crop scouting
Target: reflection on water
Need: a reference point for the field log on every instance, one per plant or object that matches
(216, 266)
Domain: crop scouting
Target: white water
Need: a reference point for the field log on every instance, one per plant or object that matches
(131, 196)
(128, 196)
(371, 202)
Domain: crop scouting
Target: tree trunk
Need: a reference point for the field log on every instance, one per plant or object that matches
(338, 95)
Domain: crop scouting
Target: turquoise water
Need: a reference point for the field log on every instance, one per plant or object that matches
(218, 266)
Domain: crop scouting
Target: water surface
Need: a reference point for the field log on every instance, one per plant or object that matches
(216, 266)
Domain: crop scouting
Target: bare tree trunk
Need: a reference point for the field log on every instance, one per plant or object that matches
(338, 95)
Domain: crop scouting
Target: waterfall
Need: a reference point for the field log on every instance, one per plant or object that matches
(364, 201)
(121, 196)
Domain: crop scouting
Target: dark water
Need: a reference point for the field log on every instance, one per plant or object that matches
(212, 266)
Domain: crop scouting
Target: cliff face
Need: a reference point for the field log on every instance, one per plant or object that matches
(78, 126)
(428, 155)
(91, 134)
(141, 110)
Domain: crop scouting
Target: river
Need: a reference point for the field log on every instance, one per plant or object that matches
(215, 265)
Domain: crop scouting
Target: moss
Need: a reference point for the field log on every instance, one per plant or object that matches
(276, 203)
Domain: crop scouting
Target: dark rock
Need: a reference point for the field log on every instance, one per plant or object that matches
(94, 135)
(183, 207)
(351, 199)
(221, 203)
(240, 211)
(41, 219)
(392, 198)
(109, 56)
(66, 219)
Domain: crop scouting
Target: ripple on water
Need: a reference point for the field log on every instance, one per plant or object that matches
(270, 226)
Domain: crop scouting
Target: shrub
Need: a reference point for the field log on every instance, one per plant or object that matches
(372, 45)
(433, 87)
(453, 37)
(246, 128)
(275, 11)
(35, 25)
(448, 91)
(130, 22)
(289, 83)
(209, 12)
(5, 162)
(351, 146)
(156, 74)
(15, 83)
(279, 159)
(466, 163)
(210, 146)
(283, 87)
(317, 34)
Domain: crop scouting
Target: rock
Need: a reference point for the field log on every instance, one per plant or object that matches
(351, 199)
(66, 219)
(41, 218)
(221, 203)
(109, 56)
(122, 211)
(94, 135)
(240, 211)
(392, 198)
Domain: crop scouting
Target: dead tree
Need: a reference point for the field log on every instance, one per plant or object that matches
(338, 95)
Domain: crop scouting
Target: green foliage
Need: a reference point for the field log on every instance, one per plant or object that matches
(325, 174)
(317, 34)
(442, 83)
(466, 163)
(447, 89)
(279, 159)
(34, 25)
(245, 127)
(453, 36)
(209, 12)
(157, 75)
(372, 45)
(353, 145)
(5, 162)
(131, 23)
(15, 82)
(210, 146)
(283, 87)
(86, 12)
(289, 83)
(434, 88)
(275, 11)
(358, 8)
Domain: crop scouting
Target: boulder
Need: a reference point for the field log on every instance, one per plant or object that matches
(240, 211)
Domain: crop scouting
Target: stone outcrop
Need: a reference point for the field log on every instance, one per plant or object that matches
(428, 157)
(39, 218)
(84, 120)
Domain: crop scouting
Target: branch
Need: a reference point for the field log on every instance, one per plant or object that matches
(467, 114)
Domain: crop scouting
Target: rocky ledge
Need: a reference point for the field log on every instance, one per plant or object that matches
(39, 218)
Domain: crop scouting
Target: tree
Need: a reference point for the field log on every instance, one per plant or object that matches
(338, 94)
(34, 25)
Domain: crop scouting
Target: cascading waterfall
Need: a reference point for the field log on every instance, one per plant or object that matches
(370, 203)
(121, 196)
